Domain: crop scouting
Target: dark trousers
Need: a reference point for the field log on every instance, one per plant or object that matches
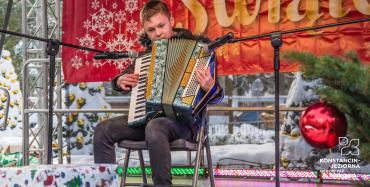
(158, 133)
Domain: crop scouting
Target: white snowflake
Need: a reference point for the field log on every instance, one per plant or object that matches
(87, 41)
(102, 21)
(98, 64)
(129, 44)
(95, 4)
(121, 64)
(120, 17)
(76, 62)
(114, 5)
(119, 43)
(131, 6)
(87, 24)
(131, 26)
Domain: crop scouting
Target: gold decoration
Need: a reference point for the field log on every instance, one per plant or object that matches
(81, 102)
(188, 100)
(71, 97)
(4, 98)
(82, 86)
(69, 119)
(80, 139)
(81, 122)
(74, 114)
(12, 123)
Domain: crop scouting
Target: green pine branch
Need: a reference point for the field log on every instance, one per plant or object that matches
(345, 84)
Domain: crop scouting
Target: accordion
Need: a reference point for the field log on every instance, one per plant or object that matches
(167, 84)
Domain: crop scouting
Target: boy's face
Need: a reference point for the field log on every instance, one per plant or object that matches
(158, 27)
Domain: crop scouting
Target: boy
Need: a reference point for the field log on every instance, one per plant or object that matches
(159, 132)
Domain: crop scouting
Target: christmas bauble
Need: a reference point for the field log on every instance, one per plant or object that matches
(322, 124)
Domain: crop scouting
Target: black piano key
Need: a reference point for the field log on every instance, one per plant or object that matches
(141, 98)
(139, 116)
(141, 110)
(140, 102)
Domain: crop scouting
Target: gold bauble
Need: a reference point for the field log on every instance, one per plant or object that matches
(81, 100)
(100, 88)
(12, 123)
(69, 119)
(80, 139)
(82, 86)
(81, 122)
(74, 114)
(4, 98)
(71, 97)
(55, 145)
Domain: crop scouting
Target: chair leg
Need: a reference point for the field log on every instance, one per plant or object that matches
(142, 166)
(209, 163)
(197, 160)
(125, 168)
(189, 158)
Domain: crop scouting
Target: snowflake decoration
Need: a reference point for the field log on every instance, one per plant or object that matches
(131, 6)
(114, 5)
(87, 41)
(121, 63)
(76, 62)
(87, 24)
(102, 29)
(129, 43)
(95, 4)
(131, 26)
(117, 44)
(120, 17)
(102, 21)
(367, 45)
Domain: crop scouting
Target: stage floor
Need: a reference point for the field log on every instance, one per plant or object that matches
(237, 182)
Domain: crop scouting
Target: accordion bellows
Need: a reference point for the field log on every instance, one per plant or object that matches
(167, 83)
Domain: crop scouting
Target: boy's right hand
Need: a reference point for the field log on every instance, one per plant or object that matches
(127, 81)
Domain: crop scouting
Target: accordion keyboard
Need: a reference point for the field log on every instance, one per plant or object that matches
(137, 109)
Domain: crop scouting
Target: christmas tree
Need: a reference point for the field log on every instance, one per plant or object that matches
(345, 83)
(8, 80)
(79, 128)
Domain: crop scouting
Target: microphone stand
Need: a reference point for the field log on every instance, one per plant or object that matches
(276, 42)
(52, 50)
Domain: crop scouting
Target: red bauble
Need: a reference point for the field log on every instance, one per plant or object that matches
(321, 124)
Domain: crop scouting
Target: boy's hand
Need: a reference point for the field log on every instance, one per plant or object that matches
(204, 78)
(127, 81)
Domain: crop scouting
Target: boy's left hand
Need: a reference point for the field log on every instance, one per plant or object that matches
(204, 78)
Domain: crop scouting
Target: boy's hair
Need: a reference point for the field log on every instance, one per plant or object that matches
(153, 7)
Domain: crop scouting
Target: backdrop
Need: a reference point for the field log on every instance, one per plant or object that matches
(114, 26)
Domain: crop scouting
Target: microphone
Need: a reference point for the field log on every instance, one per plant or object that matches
(220, 41)
(116, 55)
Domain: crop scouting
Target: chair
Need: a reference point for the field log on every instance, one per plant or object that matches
(176, 145)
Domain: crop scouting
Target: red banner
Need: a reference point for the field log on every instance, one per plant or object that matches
(246, 18)
(99, 25)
